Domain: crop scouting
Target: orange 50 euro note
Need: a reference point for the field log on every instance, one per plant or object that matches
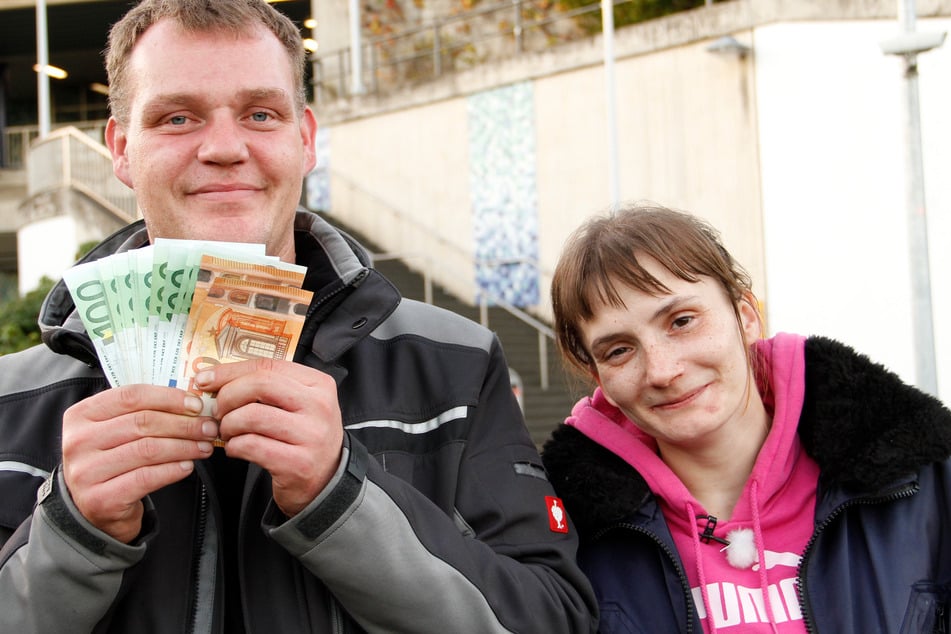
(239, 320)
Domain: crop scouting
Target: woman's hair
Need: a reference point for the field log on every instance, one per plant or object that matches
(604, 251)
(235, 16)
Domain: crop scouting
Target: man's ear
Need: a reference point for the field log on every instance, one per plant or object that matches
(117, 144)
(308, 131)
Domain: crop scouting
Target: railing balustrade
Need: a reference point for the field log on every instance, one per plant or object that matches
(452, 43)
(68, 157)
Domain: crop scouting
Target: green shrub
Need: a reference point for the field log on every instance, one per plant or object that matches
(18, 327)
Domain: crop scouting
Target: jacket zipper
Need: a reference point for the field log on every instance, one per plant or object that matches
(940, 624)
(905, 491)
(354, 283)
(684, 582)
(337, 622)
(196, 563)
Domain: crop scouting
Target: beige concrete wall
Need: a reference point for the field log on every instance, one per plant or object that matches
(686, 137)
(402, 179)
(55, 224)
(12, 190)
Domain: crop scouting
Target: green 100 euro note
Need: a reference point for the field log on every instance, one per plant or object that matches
(136, 305)
(89, 295)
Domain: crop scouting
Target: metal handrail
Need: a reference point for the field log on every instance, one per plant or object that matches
(441, 47)
(17, 139)
(544, 332)
(485, 297)
(69, 158)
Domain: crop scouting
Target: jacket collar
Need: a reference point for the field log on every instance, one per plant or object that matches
(862, 425)
(350, 298)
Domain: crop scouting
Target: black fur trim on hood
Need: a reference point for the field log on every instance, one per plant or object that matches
(864, 427)
(862, 424)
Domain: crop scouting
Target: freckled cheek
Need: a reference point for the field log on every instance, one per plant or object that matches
(621, 388)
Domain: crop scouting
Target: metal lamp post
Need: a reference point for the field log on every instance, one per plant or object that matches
(908, 45)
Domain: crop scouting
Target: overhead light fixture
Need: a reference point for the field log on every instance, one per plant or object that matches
(729, 45)
(53, 71)
(310, 23)
(102, 89)
(310, 44)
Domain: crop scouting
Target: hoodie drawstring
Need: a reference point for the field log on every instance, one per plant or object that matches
(760, 556)
(698, 556)
(761, 553)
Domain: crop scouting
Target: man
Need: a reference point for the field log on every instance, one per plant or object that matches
(382, 482)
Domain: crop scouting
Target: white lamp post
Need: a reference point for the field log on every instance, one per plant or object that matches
(42, 78)
(908, 45)
(607, 32)
(356, 50)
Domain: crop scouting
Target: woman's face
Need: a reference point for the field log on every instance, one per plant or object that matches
(676, 363)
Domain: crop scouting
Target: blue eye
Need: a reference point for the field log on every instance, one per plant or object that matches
(178, 120)
(260, 117)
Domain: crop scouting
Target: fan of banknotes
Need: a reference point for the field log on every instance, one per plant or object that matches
(163, 313)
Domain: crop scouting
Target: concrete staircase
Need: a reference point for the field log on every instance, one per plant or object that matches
(543, 408)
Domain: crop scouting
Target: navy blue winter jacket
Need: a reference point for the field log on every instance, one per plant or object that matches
(879, 560)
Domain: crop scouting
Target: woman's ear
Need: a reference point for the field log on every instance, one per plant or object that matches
(751, 320)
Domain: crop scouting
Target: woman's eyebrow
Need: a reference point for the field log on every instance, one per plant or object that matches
(672, 304)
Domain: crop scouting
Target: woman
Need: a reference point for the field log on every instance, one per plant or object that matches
(722, 482)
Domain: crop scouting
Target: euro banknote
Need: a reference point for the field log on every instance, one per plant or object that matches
(240, 319)
(150, 312)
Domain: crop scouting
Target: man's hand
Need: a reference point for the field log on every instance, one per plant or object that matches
(124, 443)
(282, 416)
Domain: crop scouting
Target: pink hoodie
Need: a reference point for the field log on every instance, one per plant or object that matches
(773, 517)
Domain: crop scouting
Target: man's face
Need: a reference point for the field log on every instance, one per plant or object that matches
(214, 147)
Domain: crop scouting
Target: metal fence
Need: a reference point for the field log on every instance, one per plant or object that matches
(453, 43)
(18, 138)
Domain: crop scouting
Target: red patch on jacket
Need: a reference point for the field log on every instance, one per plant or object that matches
(557, 518)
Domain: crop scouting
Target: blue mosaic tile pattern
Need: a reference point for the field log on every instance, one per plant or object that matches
(318, 180)
(503, 190)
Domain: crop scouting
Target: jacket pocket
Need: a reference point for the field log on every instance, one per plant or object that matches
(928, 609)
(614, 620)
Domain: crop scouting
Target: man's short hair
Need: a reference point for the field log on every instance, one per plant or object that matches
(236, 16)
